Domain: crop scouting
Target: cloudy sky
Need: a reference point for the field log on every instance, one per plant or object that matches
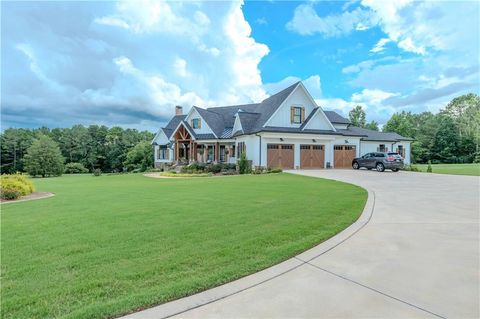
(128, 63)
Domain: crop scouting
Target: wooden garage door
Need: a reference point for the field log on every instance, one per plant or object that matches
(312, 156)
(280, 156)
(343, 155)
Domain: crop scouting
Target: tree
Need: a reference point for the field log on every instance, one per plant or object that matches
(401, 123)
(14, 144)
(446, 139)
(357, 116)
(372, 126)
(44, 158)
(140, 157)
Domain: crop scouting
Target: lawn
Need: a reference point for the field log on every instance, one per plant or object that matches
(105, 246)
(455, 169)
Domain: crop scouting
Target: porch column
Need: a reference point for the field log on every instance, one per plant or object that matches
(205, 153)
(216, 152)
(176, 151)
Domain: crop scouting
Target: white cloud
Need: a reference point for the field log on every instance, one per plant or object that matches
(127, 69)
(380, 46)
(408, 45)
(312, 83)
(180, 66)
(306, 21)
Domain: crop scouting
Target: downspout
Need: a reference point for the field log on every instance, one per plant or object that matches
(259, 149)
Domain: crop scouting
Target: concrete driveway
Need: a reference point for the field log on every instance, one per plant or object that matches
(415, 256)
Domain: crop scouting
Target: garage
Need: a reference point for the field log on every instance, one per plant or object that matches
(343, 155)
(280, 156)
(312, 156)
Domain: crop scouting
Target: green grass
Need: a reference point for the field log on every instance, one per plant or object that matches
(455, 169)
(108, 245)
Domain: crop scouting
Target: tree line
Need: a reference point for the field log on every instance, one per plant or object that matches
(450, 136)
(95, 147)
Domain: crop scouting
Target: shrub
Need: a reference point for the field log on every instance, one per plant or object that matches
(214, 168)
(275, 170)
(244, 167)
(75, 168)
(429, 167)
(14, 186)
(9, 194)
(97, 172)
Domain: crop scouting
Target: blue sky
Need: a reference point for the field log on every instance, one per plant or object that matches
(128, 63)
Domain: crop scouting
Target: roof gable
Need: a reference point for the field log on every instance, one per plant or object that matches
(317, 120)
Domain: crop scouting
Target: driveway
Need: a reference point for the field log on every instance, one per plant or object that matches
(415, 256)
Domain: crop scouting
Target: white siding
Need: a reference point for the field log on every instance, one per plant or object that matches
(237, 126)
(319, 122)
(299, 98)
(204, 128)
(161, 138)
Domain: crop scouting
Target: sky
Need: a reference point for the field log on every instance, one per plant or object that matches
(129, 63)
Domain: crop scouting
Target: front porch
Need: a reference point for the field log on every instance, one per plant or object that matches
(188, 149)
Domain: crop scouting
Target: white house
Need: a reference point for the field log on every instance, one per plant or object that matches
(287, 130)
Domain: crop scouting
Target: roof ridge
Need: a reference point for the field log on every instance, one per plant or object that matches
(294, 85)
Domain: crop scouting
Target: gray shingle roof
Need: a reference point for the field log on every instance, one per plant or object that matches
(334, 117)
(172, 125)
(254, 116)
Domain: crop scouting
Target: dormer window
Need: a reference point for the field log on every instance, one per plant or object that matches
(196, 123)
(297, 115)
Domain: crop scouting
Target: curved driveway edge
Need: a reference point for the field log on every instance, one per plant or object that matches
(179, 306)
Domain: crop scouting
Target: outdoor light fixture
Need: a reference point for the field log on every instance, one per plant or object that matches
(346, 141)
(314, 140)
(281, 139)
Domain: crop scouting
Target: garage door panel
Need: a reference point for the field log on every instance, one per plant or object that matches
(312, 156)
(280, 156)
(343, 155)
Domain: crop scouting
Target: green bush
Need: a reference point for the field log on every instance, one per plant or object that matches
(75, 168)
(429, 167)
(275, 170)
(214, 168)
(14, 186)
(97, 172)
(244, 167)
(9, 194)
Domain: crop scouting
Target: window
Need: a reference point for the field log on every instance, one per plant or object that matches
(296, 115)
(196, 123)
(233, 150)
(381, 148)
(162, 153)
(210, 154)
(241, 148)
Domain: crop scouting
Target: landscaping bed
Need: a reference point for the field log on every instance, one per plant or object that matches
(111, 244)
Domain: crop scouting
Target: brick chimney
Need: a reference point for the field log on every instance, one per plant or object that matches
(178, 110)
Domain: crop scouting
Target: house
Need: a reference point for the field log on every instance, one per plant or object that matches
(287, 130)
